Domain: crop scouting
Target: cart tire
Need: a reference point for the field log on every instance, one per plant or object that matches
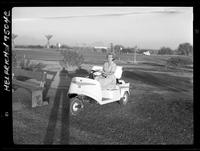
(76, 106)
(124, 99)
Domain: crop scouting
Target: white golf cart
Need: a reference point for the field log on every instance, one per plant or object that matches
(87, 89)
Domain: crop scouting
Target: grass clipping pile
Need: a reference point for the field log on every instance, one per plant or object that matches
(71, 60)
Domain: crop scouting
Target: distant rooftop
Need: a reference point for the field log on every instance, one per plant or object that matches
(100, 47)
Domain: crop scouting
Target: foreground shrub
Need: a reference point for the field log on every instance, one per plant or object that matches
(71, 60)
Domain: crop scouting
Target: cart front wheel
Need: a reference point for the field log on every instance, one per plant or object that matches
(124, 99)
(76, 106)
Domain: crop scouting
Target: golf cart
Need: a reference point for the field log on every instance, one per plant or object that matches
(87, 89)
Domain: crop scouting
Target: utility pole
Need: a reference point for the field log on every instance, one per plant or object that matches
(135, 54)
(111, 47)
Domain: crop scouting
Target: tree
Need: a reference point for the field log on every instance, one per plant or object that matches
(128, 50)
(135, 54)
(48, 38)
(13, 40)
(185, 49)
(165, 51)
(118, 48)
(103, 50)
(65, 46)
(111, 48)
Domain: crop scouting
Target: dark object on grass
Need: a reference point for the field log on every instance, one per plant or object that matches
(179, 61)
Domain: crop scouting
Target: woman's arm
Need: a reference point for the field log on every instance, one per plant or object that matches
(112, 70)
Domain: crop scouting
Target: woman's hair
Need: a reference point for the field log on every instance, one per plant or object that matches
(109, 55)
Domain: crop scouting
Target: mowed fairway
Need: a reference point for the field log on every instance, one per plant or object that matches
(159, 111)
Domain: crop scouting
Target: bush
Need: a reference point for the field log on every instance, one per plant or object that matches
(72, 60)
(165, 51)
(127, 50)
(179, 61)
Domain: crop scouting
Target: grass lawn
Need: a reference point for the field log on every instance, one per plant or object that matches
(159, 111)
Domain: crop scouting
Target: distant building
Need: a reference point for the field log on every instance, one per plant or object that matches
(58, 45)
(147, 53)
(100, 49)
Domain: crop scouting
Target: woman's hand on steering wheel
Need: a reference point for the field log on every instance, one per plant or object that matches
(104, 74)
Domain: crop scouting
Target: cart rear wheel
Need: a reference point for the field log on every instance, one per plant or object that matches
(124, 99)
(76, 106)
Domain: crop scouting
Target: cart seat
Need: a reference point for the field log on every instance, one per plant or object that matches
(118, 75)
(118, 72)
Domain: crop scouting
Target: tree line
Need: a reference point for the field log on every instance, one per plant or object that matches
(183, 49)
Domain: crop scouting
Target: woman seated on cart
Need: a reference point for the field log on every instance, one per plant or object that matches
(107, 77)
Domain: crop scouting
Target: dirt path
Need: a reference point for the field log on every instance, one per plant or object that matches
(56, 81)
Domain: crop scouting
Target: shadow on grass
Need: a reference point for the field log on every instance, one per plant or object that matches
(168, 82)
(60, 97)
(47, 85)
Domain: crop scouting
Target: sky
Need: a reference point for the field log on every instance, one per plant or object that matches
(144, 27)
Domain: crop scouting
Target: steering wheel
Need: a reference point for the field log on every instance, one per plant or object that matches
(96, 73)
